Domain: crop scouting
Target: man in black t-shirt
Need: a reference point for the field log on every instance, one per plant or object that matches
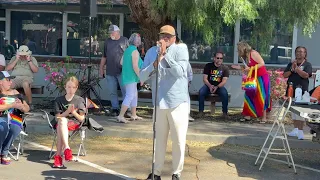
(215, 76)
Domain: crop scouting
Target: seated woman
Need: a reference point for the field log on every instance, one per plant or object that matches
(12, 106)
(70, 112)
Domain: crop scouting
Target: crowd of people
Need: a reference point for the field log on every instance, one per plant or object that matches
(121, 64)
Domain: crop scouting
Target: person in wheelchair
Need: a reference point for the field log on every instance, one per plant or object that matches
(69, 113)
(12, 105)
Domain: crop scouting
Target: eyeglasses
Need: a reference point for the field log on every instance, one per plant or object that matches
(219, 57)
(168, 36)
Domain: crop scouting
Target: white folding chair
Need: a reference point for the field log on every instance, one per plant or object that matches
(19, 148)
(278, 131)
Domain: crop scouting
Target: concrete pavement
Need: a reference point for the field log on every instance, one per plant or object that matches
(200, 130)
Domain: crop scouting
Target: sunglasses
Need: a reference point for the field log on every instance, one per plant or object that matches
(219, 58)
(168, 36)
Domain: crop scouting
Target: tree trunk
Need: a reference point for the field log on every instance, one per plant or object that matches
(149, 20)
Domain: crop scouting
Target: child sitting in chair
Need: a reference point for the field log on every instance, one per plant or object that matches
(12, 106)
(70, 112)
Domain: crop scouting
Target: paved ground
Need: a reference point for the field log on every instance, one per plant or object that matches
(200, 130)
(132, 157)
(216, 150)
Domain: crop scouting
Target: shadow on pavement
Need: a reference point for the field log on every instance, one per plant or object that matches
(244, 164)
(38, 156)
(79, 175)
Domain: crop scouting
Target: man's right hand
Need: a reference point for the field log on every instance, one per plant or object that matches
(101, 73)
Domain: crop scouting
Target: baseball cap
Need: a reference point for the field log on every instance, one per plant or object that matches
(5, 74)
(113, 28)
(167, 29)
(24, 50)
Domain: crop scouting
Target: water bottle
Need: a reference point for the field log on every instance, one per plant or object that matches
(298, 94)
(290, 90)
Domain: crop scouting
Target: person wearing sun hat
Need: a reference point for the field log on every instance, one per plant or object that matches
(23, 67)
(173, 100)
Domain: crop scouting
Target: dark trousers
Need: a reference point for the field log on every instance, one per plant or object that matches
(222, 93)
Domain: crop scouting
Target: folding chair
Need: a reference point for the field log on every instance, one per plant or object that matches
(19, 148)
(278, 131)
(81, 131)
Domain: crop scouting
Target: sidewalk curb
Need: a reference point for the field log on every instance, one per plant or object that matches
(218, 139)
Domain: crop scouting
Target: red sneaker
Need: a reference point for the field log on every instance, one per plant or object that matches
(68, 155)
(57, 162)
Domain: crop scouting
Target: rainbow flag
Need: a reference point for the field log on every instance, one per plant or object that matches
(7, 100)
(15, 119)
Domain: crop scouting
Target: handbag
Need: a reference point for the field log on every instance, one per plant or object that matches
(249, 85)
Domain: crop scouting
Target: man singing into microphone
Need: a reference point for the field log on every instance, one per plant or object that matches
(172, 104)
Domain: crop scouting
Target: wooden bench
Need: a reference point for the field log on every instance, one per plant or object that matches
(213, 98)
(35, 89)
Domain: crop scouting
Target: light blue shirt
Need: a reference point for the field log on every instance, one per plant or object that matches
(173, 81)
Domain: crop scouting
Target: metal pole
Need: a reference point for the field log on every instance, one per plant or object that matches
(89, 63)
(155, 115)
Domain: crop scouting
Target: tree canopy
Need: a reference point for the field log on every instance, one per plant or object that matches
(208, 16)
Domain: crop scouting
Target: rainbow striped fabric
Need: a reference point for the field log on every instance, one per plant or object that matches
(13, 118)
(16, 119)
(7, 100)
(255, 105)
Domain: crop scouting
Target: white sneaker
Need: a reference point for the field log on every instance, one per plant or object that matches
(300, 135)
(293, 133)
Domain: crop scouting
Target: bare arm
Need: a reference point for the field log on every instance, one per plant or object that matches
(205, 81)
(32, 66)
(256, 56)
(80, 117)
(223, 82)
(102, 64)
(12, 63)
(287, 74)
(2, 68)
(135, 62)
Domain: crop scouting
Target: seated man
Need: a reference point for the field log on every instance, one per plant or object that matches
(215, 76)
(23, 65)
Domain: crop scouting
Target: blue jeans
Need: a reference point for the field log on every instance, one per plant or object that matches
(222, 92)
(112, 87)
(8, 133)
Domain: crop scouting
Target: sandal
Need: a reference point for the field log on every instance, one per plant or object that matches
(244, 119)
(121, 119)
(263, 122)
(134, 118)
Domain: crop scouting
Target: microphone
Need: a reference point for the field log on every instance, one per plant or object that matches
(158, 47)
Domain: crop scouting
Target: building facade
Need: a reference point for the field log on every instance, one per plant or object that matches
(54, 30)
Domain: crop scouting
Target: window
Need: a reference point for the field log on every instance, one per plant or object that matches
(202, 52)
(274, 49)
(40, 31)
(78, 34)
(2, 26)
(2, 13)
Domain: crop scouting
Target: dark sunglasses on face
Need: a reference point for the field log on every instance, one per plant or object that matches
(219, 58)
(168, 36)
